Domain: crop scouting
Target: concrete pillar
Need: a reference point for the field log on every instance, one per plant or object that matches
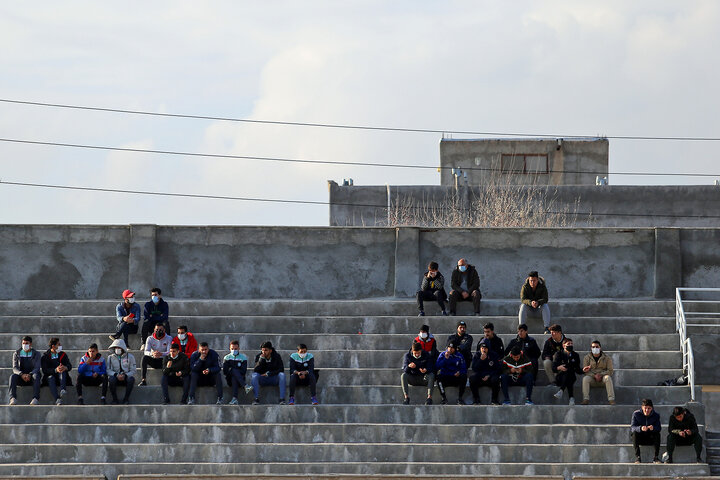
(141, 267)
(668, 262)
(407, 258)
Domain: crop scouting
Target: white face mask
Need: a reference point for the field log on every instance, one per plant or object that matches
(423, 335)
(58, 348)
(26, 347)
(182, 336)
(234, 352)
(131, 299)
(302, 355)
(595, 350)
(118, 351)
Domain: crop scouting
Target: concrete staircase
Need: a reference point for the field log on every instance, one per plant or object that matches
(360, 428)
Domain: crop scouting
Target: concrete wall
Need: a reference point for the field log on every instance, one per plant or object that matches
(569, 162)
(607, 206)
(97, 262)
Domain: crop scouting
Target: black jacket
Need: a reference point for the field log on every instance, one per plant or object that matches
(473, 279)
(551, 347)
(571, 361)
(528, 345)
(464, 345)
(272, 367)
(211, 362)
(492, 365)
(180, 364)
(496, 345)
(425, 361)
(49, 364)
(688, 423)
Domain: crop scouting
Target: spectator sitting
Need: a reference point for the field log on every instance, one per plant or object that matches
(205, 372)
(432, 287)
(121, 368)
(495, 343)
(156, 347)
(92, 372)
(486, 367)
(534, 298)
(517, 371)
(598, 369)
(465, 286)
(463, 342)
(26, 366)
(418, 368)
(683, 430)
(645, 429)
(566, 365)
(186, 341)
(268, 371)
(302, 372)
(550, 348)
(427, 342)
(55, 366)
(176, 372)
(156, 311)
(128, 316)
(527, 344)
(451, 371)
(234, 368)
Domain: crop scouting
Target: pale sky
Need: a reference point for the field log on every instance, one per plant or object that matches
(550, 67)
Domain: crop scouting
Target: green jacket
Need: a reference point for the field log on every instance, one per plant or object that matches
(540, 294)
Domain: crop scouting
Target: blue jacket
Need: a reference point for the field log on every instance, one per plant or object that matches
(450, 366)
(492, 365)
(640, 420)
(121, 312)
(211, 362)
(88, 365)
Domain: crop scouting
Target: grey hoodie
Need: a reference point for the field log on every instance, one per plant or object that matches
(124, 363)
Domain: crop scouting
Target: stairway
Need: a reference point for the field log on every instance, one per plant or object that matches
(361, 427)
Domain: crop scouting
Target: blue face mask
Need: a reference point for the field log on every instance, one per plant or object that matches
(155, 299)
(462, 268)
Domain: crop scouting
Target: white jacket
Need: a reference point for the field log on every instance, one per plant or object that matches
(162, 345)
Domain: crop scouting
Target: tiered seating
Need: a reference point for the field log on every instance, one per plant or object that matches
(360, 426)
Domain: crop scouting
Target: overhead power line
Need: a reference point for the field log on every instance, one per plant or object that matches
(319, 162)
(356, 127)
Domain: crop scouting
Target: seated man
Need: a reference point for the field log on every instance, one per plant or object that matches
(465, 287)
(534, 298)
(517, 371)
(451, 371)
(645, 429)
(128, 316)
(527, 344)
(494, 342)
(432, 287)
(463, 342)
(234, 368)
(156, 347)
(566, 366)
(427, 342)
(176, 373)
(486, 367)
(598, 369)
(418, 371)
(92, 372)
(55, 366)
(683, 430)
(550, 348)
(205, 372)
(302, 372)
(121, 368)
(268, 371)
(186, 341)
(155, 312)
(26, 366)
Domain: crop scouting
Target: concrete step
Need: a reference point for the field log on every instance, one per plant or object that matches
(670, 359)
(330, 341)
(371, 307)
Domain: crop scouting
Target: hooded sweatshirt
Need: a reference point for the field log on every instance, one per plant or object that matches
(272, 367)
(123, 363)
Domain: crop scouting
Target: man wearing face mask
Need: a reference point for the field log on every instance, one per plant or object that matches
(185, 341)
(465, 286)
(302, 372)
(26, 371)
(418, 370)
(176, 373)
(128, 316)
(432, 287)
(566, 365)
(427, 342)
(121, 370)
(235, 369)
(156, 312)
(156, 348)
(55, 366)
(598, 369)
(205, 372)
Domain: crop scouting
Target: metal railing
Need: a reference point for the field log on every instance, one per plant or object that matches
(681, 324)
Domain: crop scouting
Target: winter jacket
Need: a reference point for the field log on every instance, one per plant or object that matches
(190, 346)
(156, 313)
(528, 345)
(211, 362)
(179, 364)
(272, 367)
(473, 280)
(601, 365)
(161, 345)
(121, 312)
(463, 344)
(50, 361)
(234, 362)
(450, 366)
(570, 360)
(298, 364)
(432, 284)
(88, 366)
(29, 362)
(522, 363)
(123, 363)
(491, 365)
(540, 294)
(496, 345)
(688, 423)
(425, 361)
(429, 345)
(640, 420)
(551, 347)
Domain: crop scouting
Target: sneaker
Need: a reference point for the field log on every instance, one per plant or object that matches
(248, 389)
(668, 460)
(428, 401)
(586, 401)
(166, 401)
(547, 331)
(460, 401)
(572, 401)
(611, 402)
(256, 401)
(219, 401)
(444, 313)
(34, 401)
(112, 337)
(443, 401)
(495, 402)
(58, 401)
(281, 402)
(558, 394)
(62, 392)
(12, 401)
(234, 401)
(698, 460)
(142, 383)
(81, 401)
(406, 401)
(314, 400)
(103, 401)
(291, 401)
(506, 402)
(529, 402)
(191, 401)
(421, 314)
(637, 459)
(656, 460)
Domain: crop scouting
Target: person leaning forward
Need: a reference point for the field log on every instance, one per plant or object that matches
(465, 286)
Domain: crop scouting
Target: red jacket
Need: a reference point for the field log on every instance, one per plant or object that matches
(428, 345)
(191, 345)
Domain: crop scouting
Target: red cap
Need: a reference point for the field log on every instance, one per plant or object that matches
(128, 293)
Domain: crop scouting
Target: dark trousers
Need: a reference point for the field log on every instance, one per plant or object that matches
(456, 296)
(451, 381)
(149, 325)
(175, 381)
(438, 296)
(674, 440)
(147, 361)
(507, 381)
(235, 380)
(124, 329)
(476, 381)
(57, 380)
(100, 380)
(129, 383)
(645, 438)
(200, 380)
(566, 380)
(16, 380)
(309, 379)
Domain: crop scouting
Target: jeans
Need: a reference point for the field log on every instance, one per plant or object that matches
(126, 329)
(258, 380)
(16, 380)
(543, 310)
(526, 379)
(55, 379)
(235, 380)
(129, 383)
(308, 380)
(209, 380)
(175, 381)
